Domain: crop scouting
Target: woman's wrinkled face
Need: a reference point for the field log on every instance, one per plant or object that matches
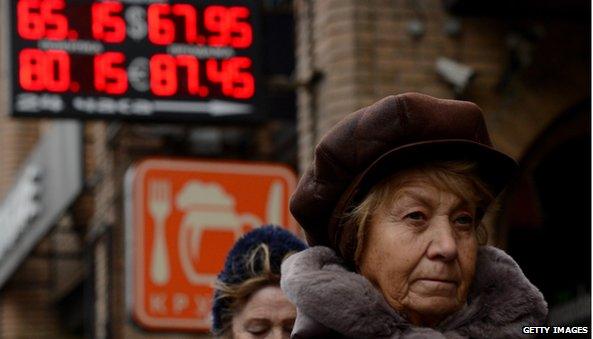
(420, 251)
(267, 314)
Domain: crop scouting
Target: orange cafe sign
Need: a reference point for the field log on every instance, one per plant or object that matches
(183, 216)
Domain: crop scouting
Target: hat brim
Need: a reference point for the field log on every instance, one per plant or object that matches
(495, 168)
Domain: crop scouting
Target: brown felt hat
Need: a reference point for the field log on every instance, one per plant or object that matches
(376, 141)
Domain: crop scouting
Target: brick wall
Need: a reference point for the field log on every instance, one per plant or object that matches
(30, 285)
(364, 52)
(17, 138)
(28, 300)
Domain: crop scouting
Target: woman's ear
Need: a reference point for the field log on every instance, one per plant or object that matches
(482, 233)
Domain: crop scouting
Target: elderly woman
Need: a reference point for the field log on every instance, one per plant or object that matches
(248, 302)
(394, 202)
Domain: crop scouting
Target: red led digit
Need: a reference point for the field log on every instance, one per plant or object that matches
(57, 71)
(39, 70)
(217, 21)
(41, 19)
(56, 25)
(188, 12)
(214, 71)
(219, 73)
(243, 84)
(236, 82)
(190, 63)
(161, 30)
(163, 74)
(110, 73)
(30, 23)
(31, 70)
(107, 24)
(242, 34)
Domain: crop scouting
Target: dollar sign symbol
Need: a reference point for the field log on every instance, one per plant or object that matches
(136, 19)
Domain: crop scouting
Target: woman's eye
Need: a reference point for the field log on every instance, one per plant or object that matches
(417, 216)
(465, 220)
(258, 330)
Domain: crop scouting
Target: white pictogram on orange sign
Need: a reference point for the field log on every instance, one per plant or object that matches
(184, 216)
(210, 216)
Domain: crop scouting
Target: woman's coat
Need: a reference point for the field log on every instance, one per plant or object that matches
(333, 302)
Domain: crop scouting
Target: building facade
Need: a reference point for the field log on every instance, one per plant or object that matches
(527, 64)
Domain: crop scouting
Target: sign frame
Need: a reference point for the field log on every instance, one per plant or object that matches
(212, 110)
(133, 176)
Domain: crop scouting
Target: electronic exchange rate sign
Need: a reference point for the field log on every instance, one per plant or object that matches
(136, 59)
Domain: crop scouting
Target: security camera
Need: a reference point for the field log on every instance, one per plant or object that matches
(455, 73)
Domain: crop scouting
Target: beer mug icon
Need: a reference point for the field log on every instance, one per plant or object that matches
(208, 230)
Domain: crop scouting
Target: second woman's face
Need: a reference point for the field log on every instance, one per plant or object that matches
(267, 314)
(421, 252)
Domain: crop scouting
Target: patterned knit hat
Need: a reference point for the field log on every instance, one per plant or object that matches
(237, 270)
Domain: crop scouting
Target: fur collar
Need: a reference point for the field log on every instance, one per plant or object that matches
(329, 297)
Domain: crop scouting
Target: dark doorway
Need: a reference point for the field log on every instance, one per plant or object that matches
(548, 217)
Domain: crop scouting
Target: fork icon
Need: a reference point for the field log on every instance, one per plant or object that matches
(159, 205)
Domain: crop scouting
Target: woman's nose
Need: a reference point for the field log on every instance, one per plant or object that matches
(443, 244)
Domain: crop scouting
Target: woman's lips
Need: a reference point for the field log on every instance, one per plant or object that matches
(439, 280)
(435, 286)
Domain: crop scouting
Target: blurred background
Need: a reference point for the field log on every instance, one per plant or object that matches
(69, 249)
